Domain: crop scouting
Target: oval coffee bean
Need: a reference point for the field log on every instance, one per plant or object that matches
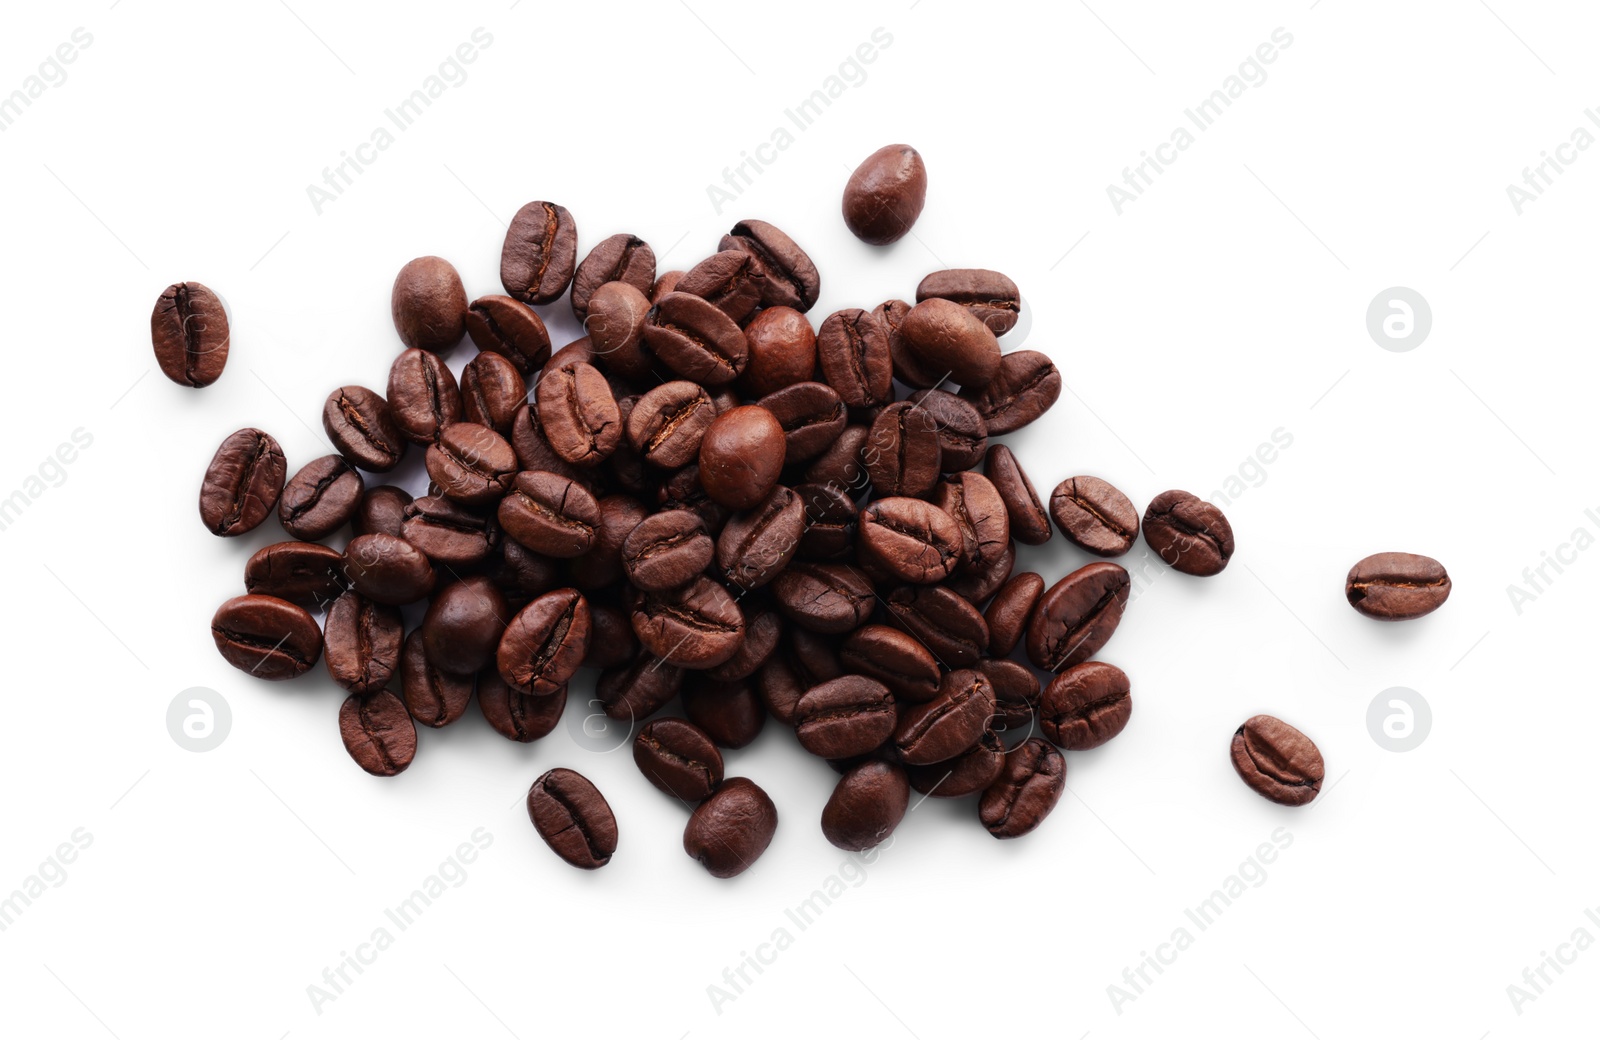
(304, 573)
(1189, 533)
(824, 597)
(942, 621)
(731, 280)
(573, 818)
(627, 259)
(1085, 706)
(1029, 786)
(429, 305)
(358, 423)
(974, 503)
(696, 626)
(611, 639)
(853, 350)
(550, 514)
(521, 574)
(433, 697)
(1094, 516)
(884, 196)
(1277, 761)
(912, 540)
(491, 392)
(321, 498)
(668, 422)
(976, 584)
(267, 637)
(866, 806)
(387, 569)
(780, 688)
(902, 453)
(1026, 387)
(991, 297)
(189, 330)
(741, 456)
(830, 522)
(910, 369)
(666, 551)
(968, 773)
(844, 463)
(382, 509)
(844, 717)
(577, 413)
(1077, 616)
(727, 710)
(516, 715)
(540, 253)
(1030, 524)
(471, 464)
(679, 759)
(949, 724)
(1016, 694)
(894, 659)
(378, 732)
(361, 642)
(791, 278)
(756, 545)
(638, 690)
(762, 630)
(963, 436)
(1010, 610)
(464, 624)
(730, 830)
(615, 323)
(511, 329)
(601, 566)
(783, 351)
(242, 483)
(696, 340)
(449, 534)
(948, 337)
(812, 417)
(545, 642)
(1394, 586)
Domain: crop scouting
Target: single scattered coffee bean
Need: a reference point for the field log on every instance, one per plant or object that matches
(471, 464)
(550, 514)
(696, 340)
(1395, 586)
(304, 573)
(491, 392)
(387, 569)
(963, 437)
(1085, 706)
(429, 305)
(540, 253)
(638, 690)
(516, 715)
(1277, 761)
(1025, 387)
(615, 323)
(679, 759)
(464, 624)
(949, 724)
(627, 259)
(942, 621)
(730, 830)
(189, 330)
(973, 502)
(378, 732)
(1008, 613)
(1077, 616)
(382, 510)
(843, 465)
(991, 297)
(762, 630)
(696, 626)
(812, 417)
(756, 545)
(909, 368)
(449, 534)
(1094, 516)
(511, 329)
(741, 456)
(968, 773)
(824, 597)
(895, 659)
(666, 551)
(1016, 695)
(731, 280)
(853, 350)
(573, 818)
(1189, 533)
(242, 483)
(358, 423)
(948, 336)
(884, 196)
(791, 279)
(913, 540)
(729, 711)
(1029, 786)
(843, 717)
(1030, 524)
(782, 348)
(578, 414)
(321, 498)
(669, 421)
(362, 642)
(866, 806)
(545, 642)
(434, 697)
(267, 637)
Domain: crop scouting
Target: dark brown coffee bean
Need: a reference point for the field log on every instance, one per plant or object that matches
(387, 569)
(730, 830)
(601, 566)
(783, 351)
(581, 349)
(267, 637)
(573, 818)
(843, 717)
(830, 518)
(1026, 386)
(902, 451)
(968, 773)
(471, 464)
(679, 759)
(615, 323)
(540, 252)
(521, 574)
(450, 535)
(830, 598)
(550, 514)
(304, 573)
(912, 540)
(1029, 786)
(611, 639)
(668, 423)
(434, 697)
(949, 724)
(977, 584)
(423, 396)
(791, 278)
(242, 483)
(620, 258)
(429, 305)
(812, 417)
(1016, 695)
(696, 626)
(534, 451)
(362, 642)
(884, 195)
(762, 630)
(578, 414)
(1189, 533)
(638, 690)
(515, 715)
(378, 732)
(1085, 706)
(321, 498)
(780, 688)
(491, 392)
(1030, 524)
(979, 513)
(909, 368)
(756, 545)
(1094, 516)
(866, 806)
(741, 456)
(991, 297)
(358, 423)
(946, 335)
(696, 340)
(727, 710)
(464, 624)
(844, 463)
(511, 329)
(894, 659)
(1010, 610)
(732, 280)
(545, 642)
(963, 437)
(666, 551)
(382, 510)
(1076, 617)
(814, 656)
(942, 621)
(853, 350)
(1395, 586)
(1277, 761)
(189, 330)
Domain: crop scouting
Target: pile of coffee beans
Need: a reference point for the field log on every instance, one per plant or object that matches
(714, 503)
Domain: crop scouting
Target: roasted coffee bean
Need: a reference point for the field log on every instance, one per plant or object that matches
(884, 196)
(783, 351)
(573, 818)
(581, 349)
(812, 417)
(378, 732)
(974, 503)
(1026, 386)
(791, 278)
(601, 566)
(429, 305)
(1394, 586)
(942, 621)
(491, 392)
(963, 437)
(1030, 524)
(1029, 786)
(545, 642)
(1189, 533)
(679, 759)
(912, 540)
(304, 573)
(464, 624)
(471, 464)
(1076, 617)
(611, 639)
(550, 514)
(362, 642)
(626, 468)
(447, 533)
(830, 598)
(910, 369)
(780, 688)
(756, 545)
(639, 689)
(732, 280)
(1277, 761)
(894, 659)
(521, 574)
(668, 423)
(866, 806)
(844, 463)
(976, 584)
(853, 350)
(511, 329)
(949, 724)
(382, 510)
(386, 569)
(1016, 694)
(696, 626)
(902, 451)
(534, 451)
(664, 284)
(730, 830)
(968, 773)
(320, 499)
(515, 715)
(358, 423)
(268, 637)
(189, 330)
(540, 252)
(727, 710)
(423, 396)
(830, 518)
(242, 483)
(615, 323)
(741, 456)
(1085, 706)
(578, 414)
(1009, 611)
(990, 296)
(946, 335)
(434, 697)
(666, 551)
(1094, 516)
(762, 630)
(696, 340)
(814, 656)
(843, 717)
(620, 258)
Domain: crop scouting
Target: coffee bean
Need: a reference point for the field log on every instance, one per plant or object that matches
(853, 350)
(429, 305)
(615, 323)
(1026, 387)
(611, 639)
(948, 336)
(979, 513)
(902, 451)
(515, 715)
(471, 464)
(732, 280)
(521, 574)
(949, 724)
(741, 456)
(512, 329)
(627, 259)
(464, 624)
(545, 642)
(491, 392)
(727, 710)
(762, 630)
(884, 195)
(540, 252)
(977, 583)
(189, 330)
(968, 773)
(1029, 786)
(1094, 516)
(664, 284)
(696, 626)
(843, 717)
(1394, 586)
(378, 732)
(362, 642)
(550, 514)
(1030, 524)
(601, 566)
(679, 759)
(387, 569)
(578, 414)
(573, 818)
(242, 483)
(910, 369)
(830, 518)
(534, 451)
(758, 544)
(894, 659)
(866, 806)
(843, 465)
(304, 573)
(449, 534)
(1277, 761)
(666, 551)
(1189, 533)
(668, 423)
(942, 621)
(1009, 611)
(730, 830)
(423, 397)
(963, 437)
(382, 509)
(696, 340)
(434, 697)
(780, 688)
(782, 348)
(1085, 706)
(638, 690)
(912, 540)
(812, 417)
(1016, 695)
(358, 423)
(320, 499)
(791, 279)
(267, 637)
(1076, 617)
(824, 597)
(990, 296)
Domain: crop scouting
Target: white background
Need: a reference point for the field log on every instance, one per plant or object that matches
(1226, 303)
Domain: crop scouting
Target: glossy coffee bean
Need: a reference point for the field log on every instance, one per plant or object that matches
(902, 453)
(1029, 786)
(378, 732)
(491, 392)
(1077, 616)
(578, 414)
(601, 566)
(358, 423)
(511, 329)
(963, 436)
(763, 629)
(1008, 613)
(947, 336)
(533, 449)
(1094, 516)
(679, 759)
(1016, 695)
(968, 773)
(611, 639)
(423, 396)
(434, 697)
(791, 279)
(666, 551)
(1394, 586)
(976, 583)
(949, 626)
(884, 196)
(696, 626)
(1030, 524)
(1189, 533)
(912, 540)
(472, 464)
(627, 259)
(909, 368)
(949, 724)
(515, 715)
(866, 806)
(895, 659)
(304, 573)
(696, 340)
(540, 253)
(573, 818)
(812, 417)
(668, 422)
(464, 624)
(843, 717)
(189, 330)
(1085, 706)
(638, 690)
(830, 518)
(741, 456)
(843, 465)
(729, 711)
(780, 688)
(429, 305)
(730, 830)
(550, 514)
(267, 637)
(545, 642)
(828, 598)
(615, 323)
(731, 280)
(973, 502)
(853, 350)
(1277, 761)
(321, 498)
(382, 510)
(783, 351)
(361, 642)
(521, 574)
(387, 569)
(242, 483)
(990, 296)
(449, 534)
(757, 544)
(1026, 387)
